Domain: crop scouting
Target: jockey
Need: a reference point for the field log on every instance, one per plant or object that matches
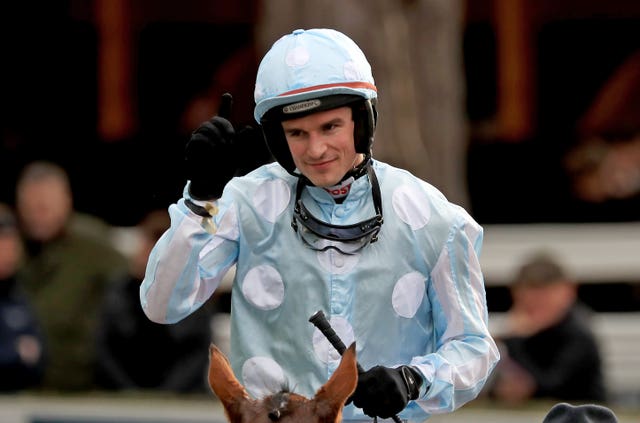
(392, 263)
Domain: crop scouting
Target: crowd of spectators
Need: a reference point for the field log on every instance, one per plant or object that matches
(70, 317)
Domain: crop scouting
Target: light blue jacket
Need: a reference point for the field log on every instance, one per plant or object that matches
(416, 296)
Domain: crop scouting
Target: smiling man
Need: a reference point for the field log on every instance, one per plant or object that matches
(383, 254)
(322, 145)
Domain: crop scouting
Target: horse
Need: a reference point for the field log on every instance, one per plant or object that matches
(284, 406)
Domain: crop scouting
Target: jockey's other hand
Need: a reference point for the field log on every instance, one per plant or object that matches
(384, 392)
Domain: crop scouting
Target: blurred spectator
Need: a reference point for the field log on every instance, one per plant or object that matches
(127, 338)
(606, 170)
(69, 261)
(21, 344)
(45, 205)
(548, 349)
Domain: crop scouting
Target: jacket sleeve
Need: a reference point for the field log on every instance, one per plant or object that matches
(188, 263)
(466, 354)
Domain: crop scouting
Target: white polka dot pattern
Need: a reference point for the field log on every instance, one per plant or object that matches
(297, 57)
(351, 71)
(263, 287)
(262, 376)
(411, 206)
(408, 294)
(323, 348)
(271, 199)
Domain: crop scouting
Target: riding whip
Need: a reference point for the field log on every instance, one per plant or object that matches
(320, 321)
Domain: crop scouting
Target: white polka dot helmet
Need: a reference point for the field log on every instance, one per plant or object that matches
(309, 71)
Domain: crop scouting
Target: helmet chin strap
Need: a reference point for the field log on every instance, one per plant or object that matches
(359, 170)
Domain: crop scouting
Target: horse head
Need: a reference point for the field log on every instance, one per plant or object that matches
(284, 406)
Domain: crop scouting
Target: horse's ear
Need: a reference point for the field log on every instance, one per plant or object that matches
(225, 384)
(331, 396)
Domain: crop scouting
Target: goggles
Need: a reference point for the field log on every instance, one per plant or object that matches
(347, 239)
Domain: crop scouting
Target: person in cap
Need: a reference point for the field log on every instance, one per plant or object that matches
(549, 348)
(585, 413)
(390, 261)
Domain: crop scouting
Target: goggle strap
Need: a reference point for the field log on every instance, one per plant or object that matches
(375, 190)
(367, 227)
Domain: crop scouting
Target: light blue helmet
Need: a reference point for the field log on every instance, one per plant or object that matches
(309, 64)
(309, 71)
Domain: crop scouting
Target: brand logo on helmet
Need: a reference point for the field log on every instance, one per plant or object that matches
(302, 106)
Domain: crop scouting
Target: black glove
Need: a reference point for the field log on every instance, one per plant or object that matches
(215, 153)
(384, 392)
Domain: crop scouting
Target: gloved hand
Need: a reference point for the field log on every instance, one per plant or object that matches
(384, 391)
(215, 153)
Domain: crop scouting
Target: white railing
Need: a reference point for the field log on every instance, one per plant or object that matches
(599, 252)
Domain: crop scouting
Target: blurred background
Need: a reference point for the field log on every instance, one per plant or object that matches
(525, 112)
(111, 89)
(506, 106)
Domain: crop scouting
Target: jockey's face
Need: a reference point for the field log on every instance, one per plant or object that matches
(322, 145)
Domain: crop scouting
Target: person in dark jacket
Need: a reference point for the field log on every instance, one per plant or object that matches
(69, 261)
(549, 350)
(22, 356)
